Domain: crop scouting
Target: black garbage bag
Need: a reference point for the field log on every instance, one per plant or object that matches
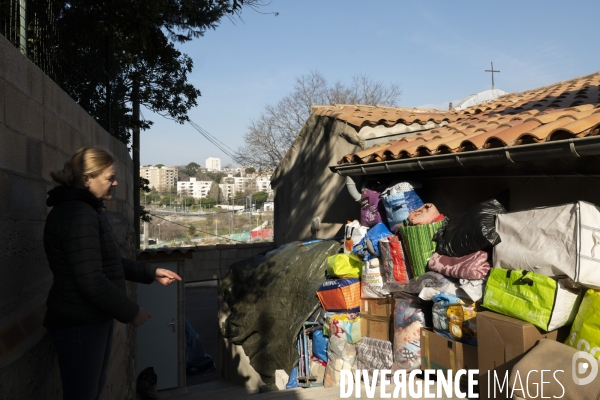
(270, 297)
(473, 231)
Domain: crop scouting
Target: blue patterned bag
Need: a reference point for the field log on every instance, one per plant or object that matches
(399, 200)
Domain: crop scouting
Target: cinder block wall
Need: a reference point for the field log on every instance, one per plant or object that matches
(40, 128)
(212, 262)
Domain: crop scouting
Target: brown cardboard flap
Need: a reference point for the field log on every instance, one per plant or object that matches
(376, 327)
(502, 341)
(438, 351)
(377, 307)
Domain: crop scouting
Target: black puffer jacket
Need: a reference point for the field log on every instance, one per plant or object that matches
(89, 272)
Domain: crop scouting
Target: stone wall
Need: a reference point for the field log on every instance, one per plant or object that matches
(40, 128)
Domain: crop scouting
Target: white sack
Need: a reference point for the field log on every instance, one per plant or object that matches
(552, 241)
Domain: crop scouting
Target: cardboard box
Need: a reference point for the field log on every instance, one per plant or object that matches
(439, 352)
(377, 327)
(502, 341)
(377, 307)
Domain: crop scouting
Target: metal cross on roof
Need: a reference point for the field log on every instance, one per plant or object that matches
(492, 71)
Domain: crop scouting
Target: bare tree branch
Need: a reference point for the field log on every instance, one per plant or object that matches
(269, 136)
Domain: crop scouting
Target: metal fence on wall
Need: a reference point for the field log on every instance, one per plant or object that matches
(86, 70)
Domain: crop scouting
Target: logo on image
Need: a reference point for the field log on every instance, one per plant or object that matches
(584, 364)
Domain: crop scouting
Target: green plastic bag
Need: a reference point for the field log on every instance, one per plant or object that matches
(418, 240)
(585, 332)
(344, 266)
(531, 297)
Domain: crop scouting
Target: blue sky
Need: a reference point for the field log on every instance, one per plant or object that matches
(436, 51)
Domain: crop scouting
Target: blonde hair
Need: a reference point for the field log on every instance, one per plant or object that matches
(90, 161)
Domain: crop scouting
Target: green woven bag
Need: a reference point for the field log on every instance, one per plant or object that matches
(531, 297)
(418, 240)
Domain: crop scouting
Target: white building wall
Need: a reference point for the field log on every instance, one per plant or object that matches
(213, 163)
(194, 188)
(264, 184)
(228, 190)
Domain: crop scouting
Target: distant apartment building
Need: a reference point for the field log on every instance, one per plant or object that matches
(213, 164)
(231, 185)
(194, 188)
(263, 184)
(162, 179)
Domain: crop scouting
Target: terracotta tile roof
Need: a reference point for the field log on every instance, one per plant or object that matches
(361, 115)
(564, 110)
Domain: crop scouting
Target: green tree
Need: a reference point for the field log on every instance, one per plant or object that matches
(108, 54)
(250, 170)
(188, 201)
(208, 202)
(239, 199)
(216, 176)
(192, 231)
(153, 198)
(159, 165)
(260, 197)
(192, 169)
(168, 199)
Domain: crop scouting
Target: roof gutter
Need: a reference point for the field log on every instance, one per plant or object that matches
(570, 148)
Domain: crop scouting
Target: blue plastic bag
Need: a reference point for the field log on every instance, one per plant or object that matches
(293, 381)
(319, 345)
(368, 247)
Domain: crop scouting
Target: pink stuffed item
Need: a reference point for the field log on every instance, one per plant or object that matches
(426, 214)
(472, 266)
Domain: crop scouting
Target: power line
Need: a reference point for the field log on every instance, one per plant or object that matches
(220, 145)
(198, 127)
(213, 140)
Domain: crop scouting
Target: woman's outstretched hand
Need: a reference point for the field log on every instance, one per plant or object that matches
(142, 316)
(165, 277)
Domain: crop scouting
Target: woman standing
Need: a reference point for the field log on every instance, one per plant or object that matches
(88, 292)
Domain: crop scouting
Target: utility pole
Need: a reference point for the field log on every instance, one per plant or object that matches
(249, 208)
(135, 149)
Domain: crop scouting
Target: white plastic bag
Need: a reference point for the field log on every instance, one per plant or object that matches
(371, 281)
(353, 233)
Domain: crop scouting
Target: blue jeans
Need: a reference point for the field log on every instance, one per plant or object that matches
(83, 353)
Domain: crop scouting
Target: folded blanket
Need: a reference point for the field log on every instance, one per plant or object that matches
(471, 266)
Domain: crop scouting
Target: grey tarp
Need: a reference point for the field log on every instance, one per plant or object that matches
(270, 297)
